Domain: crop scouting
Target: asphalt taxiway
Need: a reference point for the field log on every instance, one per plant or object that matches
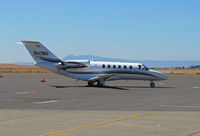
(64, 106)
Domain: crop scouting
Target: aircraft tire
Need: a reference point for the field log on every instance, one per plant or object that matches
(99, 84)
(90, 84)
(152, 84)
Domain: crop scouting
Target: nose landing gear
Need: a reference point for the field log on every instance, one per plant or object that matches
(152, 84)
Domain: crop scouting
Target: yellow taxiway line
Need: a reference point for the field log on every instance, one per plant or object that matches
(101, 123)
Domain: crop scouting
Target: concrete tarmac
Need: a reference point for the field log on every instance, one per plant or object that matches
(30, 108)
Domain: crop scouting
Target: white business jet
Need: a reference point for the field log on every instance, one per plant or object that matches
(94, 72)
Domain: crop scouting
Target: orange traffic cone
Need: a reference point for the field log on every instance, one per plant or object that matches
(43, 80)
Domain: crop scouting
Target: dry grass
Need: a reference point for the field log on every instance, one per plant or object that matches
(172, 71)
(13, 68)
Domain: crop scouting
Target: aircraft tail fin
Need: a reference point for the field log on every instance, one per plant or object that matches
(39, 52)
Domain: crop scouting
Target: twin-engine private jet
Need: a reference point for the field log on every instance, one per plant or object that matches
(94, 72)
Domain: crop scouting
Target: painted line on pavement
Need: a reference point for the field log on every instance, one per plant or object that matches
(46, 102)
(101, 123)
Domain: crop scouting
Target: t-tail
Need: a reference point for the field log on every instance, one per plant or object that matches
(42, 56)
(39, 52)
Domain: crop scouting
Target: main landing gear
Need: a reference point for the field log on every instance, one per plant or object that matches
(98, 83)
(90, 83)
(152, 84)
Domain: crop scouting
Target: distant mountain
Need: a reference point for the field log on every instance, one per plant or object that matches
(149, 63)
(90, 57)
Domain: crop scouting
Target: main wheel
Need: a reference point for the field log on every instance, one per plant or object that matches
(99, 84)
(90, 84)
(152, 84)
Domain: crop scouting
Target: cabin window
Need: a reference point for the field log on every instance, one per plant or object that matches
(103, 66)
(130, 67)
(108, 66)
(124, 67)
(114, 66)
(119, 66)
(139, 66)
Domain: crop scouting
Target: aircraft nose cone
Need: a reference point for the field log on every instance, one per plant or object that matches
(163, 76)
(159, 75)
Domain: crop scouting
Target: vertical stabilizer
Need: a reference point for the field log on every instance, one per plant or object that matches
(39, 52)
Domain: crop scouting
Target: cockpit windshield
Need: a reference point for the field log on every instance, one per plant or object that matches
(143, 67)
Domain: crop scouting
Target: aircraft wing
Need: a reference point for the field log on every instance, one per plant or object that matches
(104, 77)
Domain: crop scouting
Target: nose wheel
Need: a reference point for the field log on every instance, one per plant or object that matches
(152, 84)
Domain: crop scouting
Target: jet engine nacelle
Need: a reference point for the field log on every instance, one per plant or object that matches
(73, 64)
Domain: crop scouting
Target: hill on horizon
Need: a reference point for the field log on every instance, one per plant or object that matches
(149, 63)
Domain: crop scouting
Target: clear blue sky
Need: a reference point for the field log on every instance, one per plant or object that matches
(128, 29)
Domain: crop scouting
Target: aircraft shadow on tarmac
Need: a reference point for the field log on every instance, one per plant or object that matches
(108, 87)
